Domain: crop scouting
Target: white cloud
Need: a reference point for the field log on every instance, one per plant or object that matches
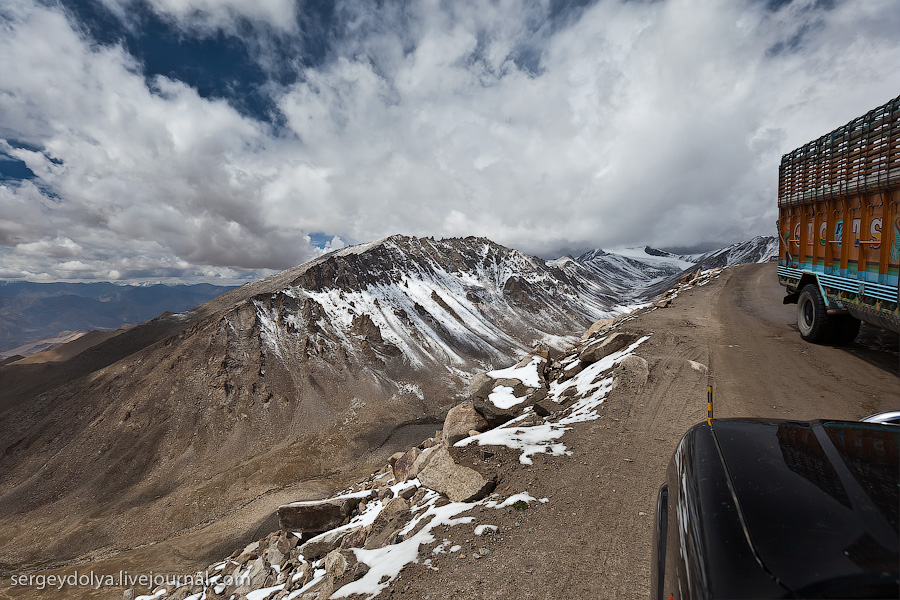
(210, 15)
(628, 123)
(61, 247)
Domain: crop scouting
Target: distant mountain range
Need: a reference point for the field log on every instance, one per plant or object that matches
(307, 373)
(33, 315)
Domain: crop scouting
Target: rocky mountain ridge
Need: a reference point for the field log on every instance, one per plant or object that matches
(305, 374)
(310, 373)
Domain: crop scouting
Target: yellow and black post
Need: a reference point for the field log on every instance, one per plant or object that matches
(709, 405)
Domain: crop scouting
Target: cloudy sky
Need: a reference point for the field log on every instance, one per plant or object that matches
(219, 139)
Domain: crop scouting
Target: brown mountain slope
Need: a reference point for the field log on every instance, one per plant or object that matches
(174, 424)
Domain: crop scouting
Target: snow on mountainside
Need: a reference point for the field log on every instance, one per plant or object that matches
(432, 302)
(639, 274)
(758, 250)
(627, 274)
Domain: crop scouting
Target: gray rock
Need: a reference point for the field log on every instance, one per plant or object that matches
(477, 382)
(403, 465)
(461, 419)
(312, 518)
(323, 543)
(395, 514)
(128, 595)
(458, 483)
(633, 371)
(494, 415)
(546, 407)
(421, 461)
(599, 325)
(599, 350)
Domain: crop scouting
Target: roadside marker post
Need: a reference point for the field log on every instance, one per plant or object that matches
(709, 414)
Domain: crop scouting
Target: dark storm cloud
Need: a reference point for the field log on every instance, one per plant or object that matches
(215, 139)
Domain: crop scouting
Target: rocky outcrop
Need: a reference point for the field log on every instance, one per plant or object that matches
(600, 349)
(458, 483)
(313, 518)
(599, 325)
(462, 419)
(402, 467)
(385, 528)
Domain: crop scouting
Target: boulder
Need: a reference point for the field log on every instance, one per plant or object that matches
(421, 461)
(458, 483)
(477, 382)
(598, 325)
(633, 371)
(461, 419)
(601, 349)
(497, 415)
(323, 543)
(254, 578)
(403, 465)
(546, 407)
(312, 518)
(391, 518)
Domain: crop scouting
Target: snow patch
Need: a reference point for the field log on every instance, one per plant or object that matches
(527, 374)
(502, 397)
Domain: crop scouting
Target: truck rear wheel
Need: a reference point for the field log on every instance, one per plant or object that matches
(846, 329)
(812, 316)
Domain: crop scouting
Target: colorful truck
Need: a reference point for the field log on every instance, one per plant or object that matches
(839, 228)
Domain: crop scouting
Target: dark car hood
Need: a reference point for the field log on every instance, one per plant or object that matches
(820, 501)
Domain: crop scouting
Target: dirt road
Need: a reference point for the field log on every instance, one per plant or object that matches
(592, 539)
(761, 367)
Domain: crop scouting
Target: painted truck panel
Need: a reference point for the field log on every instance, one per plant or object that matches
(839, 222)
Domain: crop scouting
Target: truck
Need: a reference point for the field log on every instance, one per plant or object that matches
(839, 228)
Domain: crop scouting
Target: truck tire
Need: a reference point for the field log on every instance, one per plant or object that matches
(846, 328)
(812, 317)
